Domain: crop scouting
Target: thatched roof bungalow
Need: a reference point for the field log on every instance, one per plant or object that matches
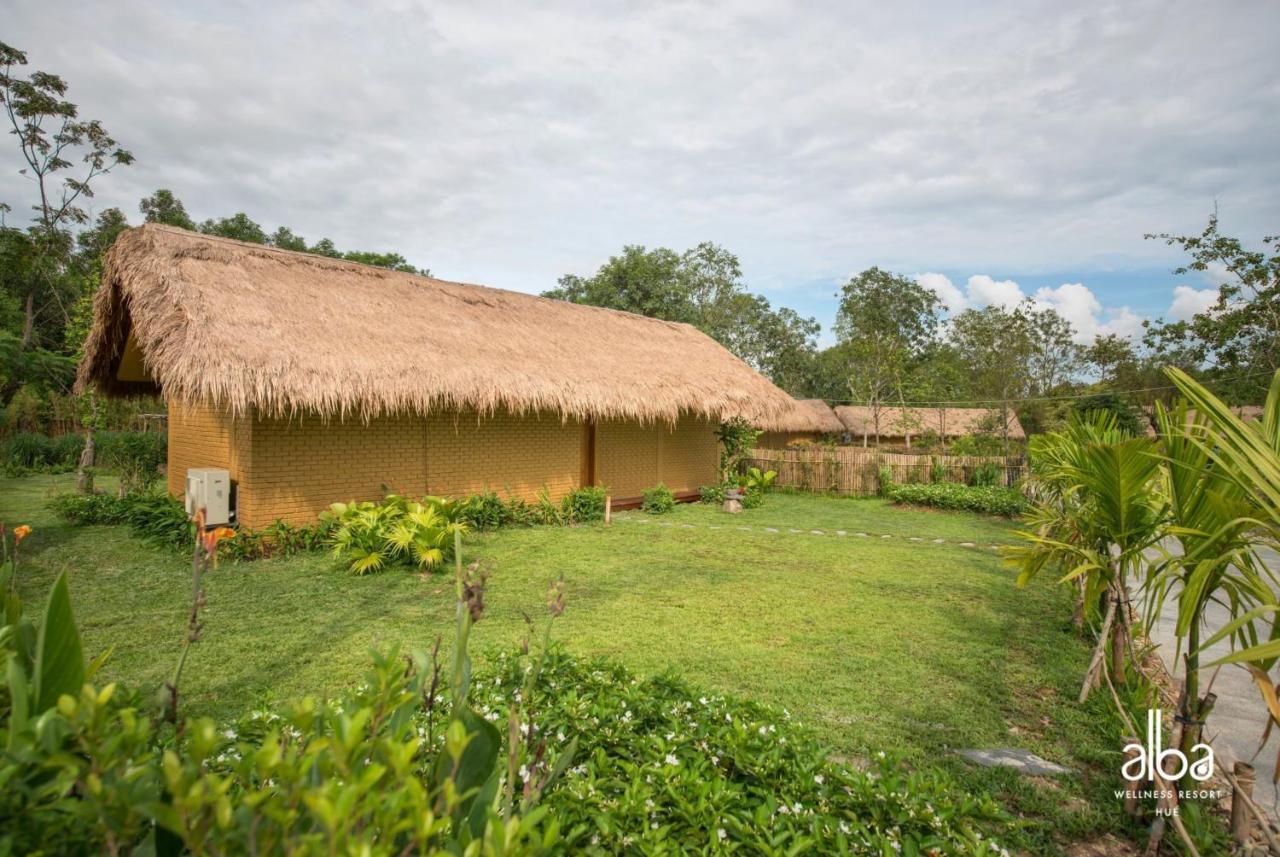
(806, 419)
(899, 426)
(313, 379)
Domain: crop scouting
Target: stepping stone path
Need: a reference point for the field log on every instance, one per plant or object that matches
(796, 531)
(1023, 761)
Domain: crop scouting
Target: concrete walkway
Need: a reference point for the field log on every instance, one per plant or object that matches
(1238, 717)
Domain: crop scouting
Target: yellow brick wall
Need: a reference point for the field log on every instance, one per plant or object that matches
(202, 436)
(631, 457)
(293, 469)
(512, 455)
(298, 467)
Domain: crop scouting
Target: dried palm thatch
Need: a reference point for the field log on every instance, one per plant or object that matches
(805, 415)
(252, 328)
(859, 420)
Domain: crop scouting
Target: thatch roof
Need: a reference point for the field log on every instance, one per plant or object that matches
(806, 415)
(249, 327)
(859, 420)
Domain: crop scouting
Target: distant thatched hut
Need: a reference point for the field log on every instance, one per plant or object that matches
(806, 419)
(902, 426)
(314, 380)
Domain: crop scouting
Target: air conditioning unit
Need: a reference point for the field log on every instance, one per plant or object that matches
(209, 488)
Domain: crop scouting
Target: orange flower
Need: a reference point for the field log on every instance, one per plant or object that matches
(212, 537)
(20, 532)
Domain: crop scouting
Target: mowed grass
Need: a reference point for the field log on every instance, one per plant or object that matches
(878, 644)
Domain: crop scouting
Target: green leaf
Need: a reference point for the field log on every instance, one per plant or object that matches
(478, 762)
(19, 697)
(59, 666)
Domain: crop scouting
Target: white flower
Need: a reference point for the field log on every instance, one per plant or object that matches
(819, 779)
(524, 772)
(715, 760)
(796, 807)
(703, 700)
(670, 735)
(844, 827)
(722, 834)
(229, 734)
(672, 760)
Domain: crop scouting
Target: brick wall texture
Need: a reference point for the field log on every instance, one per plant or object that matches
(293, 469)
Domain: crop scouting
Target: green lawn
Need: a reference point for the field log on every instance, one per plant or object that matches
(879, 644)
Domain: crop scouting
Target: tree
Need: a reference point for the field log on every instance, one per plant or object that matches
(996, 346)
(1240, 334)
(1126, 417)
(237, 226)
(163, 207)
(50, 133)
(702, 286)
(885, 321)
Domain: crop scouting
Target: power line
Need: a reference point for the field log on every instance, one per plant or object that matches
(1066, 398)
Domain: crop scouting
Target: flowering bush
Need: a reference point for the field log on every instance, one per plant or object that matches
(663, 766)
(987, 500)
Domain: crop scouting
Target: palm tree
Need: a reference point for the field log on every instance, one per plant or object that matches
(1210, 518)
(1097, 511)
(1245, 455)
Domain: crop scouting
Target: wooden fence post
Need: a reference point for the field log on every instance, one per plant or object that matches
(1241, 823)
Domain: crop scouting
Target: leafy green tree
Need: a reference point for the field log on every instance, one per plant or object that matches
(238, 226)
(885, 322)
(1127, 418)
(163, 207)
(285, 239)
(50, 134)
(1240, 334)
(702, 286)
(995, 346)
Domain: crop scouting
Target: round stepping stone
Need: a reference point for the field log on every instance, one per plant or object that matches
(861, 535)
(745, 529)
(967, 545)
(915, 539)
(939, 541)
(714, 527)
(792, 530)
(841, 533)
(770, 529)
(886, 536)
(817, 533)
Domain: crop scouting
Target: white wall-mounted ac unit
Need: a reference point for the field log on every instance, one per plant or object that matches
(209, 488)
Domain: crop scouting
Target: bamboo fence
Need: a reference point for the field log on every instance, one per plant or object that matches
(848, 470)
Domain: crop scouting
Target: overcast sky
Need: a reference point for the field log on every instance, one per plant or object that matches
(1020, 149)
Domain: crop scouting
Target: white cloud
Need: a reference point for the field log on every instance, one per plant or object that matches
(1077, 303)
(984, 291)
(940, 284)
(1188, 302)
(512, 143)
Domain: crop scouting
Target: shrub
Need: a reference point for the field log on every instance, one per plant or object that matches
(90, 508)
(989, 500)
(159, 519)
(136, 456)
(937, 473)
(985, 475)
(395, 530)
(746, 777)
(583, 505)
(484, 511)
(658, 500)
(711, 494)
(884, 481)
(92, 771)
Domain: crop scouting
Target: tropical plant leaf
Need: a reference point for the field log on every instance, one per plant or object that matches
(59, 666)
